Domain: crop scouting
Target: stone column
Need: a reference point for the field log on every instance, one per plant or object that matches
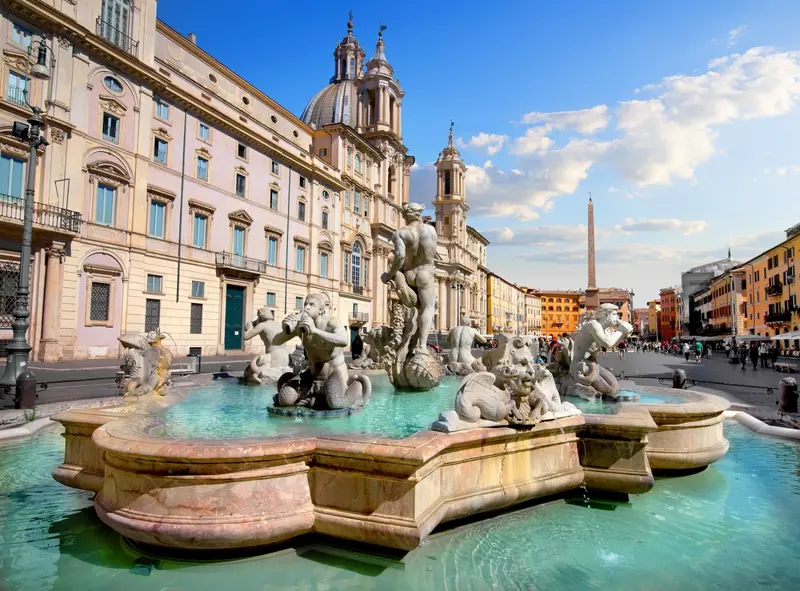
(50, 347)
(399, 120)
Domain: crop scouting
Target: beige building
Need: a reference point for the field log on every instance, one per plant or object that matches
(506, 306)
(533, 313)
(175, 195)
(461, 251)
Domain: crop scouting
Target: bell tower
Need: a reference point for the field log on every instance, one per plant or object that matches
(450, 202)
(348, 56)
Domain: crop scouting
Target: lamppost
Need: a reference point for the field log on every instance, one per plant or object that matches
(17, 371)
(457, 286)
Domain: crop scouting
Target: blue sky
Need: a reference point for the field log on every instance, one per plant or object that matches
(680, 118)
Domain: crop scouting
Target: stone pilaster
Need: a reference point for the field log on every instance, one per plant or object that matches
(50, 348)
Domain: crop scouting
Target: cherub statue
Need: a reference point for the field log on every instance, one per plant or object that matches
(325, 385)
(146, 363)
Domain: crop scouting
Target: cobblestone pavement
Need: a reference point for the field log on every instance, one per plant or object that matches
(746, 386)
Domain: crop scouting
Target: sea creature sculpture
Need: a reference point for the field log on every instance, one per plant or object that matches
(146, 363)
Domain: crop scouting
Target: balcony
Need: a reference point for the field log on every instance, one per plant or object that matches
(17, 96)
(242, 266)
(775, 290)
(46, 216)
(358, 289)
(116, 37)
(778, 318)
(358, 317)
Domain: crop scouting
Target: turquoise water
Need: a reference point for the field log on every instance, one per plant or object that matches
(231, 411)
(602, 407)
(732, 527)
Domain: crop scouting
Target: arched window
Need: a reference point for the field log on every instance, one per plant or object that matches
(391, 180)
(115, 21)
(355, 263)
(447, 182)
(358, 163)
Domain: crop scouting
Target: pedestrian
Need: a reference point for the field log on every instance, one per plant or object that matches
(686, 351)
(621, 349)
(773, 355)
(698, 350)
(708, 351)
(763, 354)
(754, 355)
(357, 347)
(743, 355)
(728, 350)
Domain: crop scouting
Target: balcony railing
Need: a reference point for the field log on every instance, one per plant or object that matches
(774, 290)
(359, 317)
(358, 289)
(113, 35)
(44, 215)
(778, 318)
(17, 96)
(237, 261)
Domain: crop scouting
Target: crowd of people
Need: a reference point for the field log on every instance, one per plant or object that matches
(755, 352)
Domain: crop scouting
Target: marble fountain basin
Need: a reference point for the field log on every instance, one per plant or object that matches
(204, 494)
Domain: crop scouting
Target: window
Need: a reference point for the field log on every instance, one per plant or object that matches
(21, 36)
(301, 211)
(196, 319)
(100, 302)
(271, 299)
(323, 152)
(346, 268)
(298, 303)
(276, 168)
(204, 132)
(162, 110)
(200, 224)
(241, 151)
(325, 220)
(238, 241)
(152, 315)
(302, 182)
(347, 199)
(273, 199)
(369, 170)
(110, 128)
(17, 83)
(202, 168)
(300, 266)
(104, 207)
(12, 171)
(272, 250)
(356, 201)
(358, 163)
(355, 311)
(366, 206)
(160, 151)
(112, 84)
(157, 214)
(356, 264)
(241, 185)
(154, 283)
(323, 264)
(198, 289)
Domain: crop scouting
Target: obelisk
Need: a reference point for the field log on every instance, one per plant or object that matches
(592, 299)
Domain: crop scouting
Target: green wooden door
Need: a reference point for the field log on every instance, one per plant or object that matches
(234, 316)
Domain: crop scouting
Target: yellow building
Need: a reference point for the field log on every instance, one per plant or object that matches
(533, 313)
(505, 305)
(727, 294)
(653, 316)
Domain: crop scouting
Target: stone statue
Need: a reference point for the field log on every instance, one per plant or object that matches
(586, 378)
(411, 276)
(325, 385)
(375, 343)
(297, 360)
(461, 339)
(268, 367)
(146, 364)
(515, 391)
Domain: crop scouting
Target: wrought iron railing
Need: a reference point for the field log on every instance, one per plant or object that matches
(358, 289)
(775, 289)
(17, 96)
(778, 317)
(117, 37)
(237, 261)
(45, 215)
(359, 316)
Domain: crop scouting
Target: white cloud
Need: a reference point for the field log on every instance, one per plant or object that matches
(534, 141)
(661, 225)
(584, 121)
(734, 34)
(613, 190)
(491, 142)
(786, 170)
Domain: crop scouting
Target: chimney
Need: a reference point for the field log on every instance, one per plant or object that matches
(192, 37)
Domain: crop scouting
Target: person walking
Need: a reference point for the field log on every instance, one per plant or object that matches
(698, 351)
(773, 355)
(754, 355)
(686, 351)
(743, 355)
(621, 348)
(763, 352)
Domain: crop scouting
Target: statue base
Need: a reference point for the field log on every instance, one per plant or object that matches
(265, 377)
(417, 373)
(456, 368)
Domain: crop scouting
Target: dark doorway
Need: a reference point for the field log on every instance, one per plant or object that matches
(234, 315)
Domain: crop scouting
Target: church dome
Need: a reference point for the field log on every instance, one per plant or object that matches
(332, 104)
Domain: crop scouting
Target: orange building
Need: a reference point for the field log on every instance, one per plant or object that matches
(727, 294)
(561, 311)
(668, 324)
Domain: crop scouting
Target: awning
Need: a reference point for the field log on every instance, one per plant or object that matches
(787, 336)
(750, 337)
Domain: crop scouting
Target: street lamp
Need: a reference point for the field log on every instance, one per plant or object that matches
(457, 286)
(17, 372)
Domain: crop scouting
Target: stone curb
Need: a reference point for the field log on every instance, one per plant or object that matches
(761, 427)
(25, 430)
(14, 418)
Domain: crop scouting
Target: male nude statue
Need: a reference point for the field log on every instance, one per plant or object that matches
(414, 251)
(461, 339)
(266, 328)
(325, 384)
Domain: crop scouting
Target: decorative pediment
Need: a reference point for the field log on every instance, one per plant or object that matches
(160, 194)
(241, 170)
(16, 59)
(112, 105)
(13, 147)
(301, 240)
(273, 230)
(195, 205)
(240, 216)
(108, 172)
(163, 133)
(204, 152)
(275, 186)
(325, 246)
